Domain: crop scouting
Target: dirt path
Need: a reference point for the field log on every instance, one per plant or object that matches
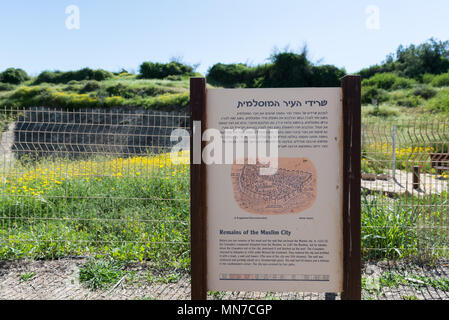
(403, 183)
(58, 280)
(6, 142)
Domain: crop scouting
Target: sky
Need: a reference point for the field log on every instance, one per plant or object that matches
(111, 34)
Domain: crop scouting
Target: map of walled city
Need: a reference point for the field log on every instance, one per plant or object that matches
(292, 189)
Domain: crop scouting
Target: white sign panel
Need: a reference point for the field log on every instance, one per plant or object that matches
(278, 230)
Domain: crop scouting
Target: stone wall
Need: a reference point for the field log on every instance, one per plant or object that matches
(120, 131)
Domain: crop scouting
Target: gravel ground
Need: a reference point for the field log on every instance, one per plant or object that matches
(58, 280)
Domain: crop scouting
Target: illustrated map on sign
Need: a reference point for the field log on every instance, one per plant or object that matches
(292, 189)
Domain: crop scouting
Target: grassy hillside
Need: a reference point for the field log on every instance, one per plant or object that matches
(411, 84)
(123, 89)
(389, 96)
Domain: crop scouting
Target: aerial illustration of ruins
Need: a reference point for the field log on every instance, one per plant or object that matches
(292, 189)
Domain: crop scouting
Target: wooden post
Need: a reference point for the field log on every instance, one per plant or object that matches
(351, 86)
(198, 206)
(416, 176)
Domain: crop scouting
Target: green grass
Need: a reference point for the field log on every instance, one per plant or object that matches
(101, 273)
(404, 227)
(171, 94)
(133, 209)
(388, 230)
(26, 276)
(120, 90)
(137, 209)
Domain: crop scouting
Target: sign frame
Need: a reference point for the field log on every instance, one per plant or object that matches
(351, 93)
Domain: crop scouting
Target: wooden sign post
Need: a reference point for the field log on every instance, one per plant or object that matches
(306, 218)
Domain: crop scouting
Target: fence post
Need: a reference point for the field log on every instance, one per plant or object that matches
(363, 137)
(416, 176)
(394, 153)
(198, 192)
(351, 86)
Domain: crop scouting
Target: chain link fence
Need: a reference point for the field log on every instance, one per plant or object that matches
(94, 207)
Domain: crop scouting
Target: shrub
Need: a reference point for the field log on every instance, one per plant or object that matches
(389, 81)
(150, 70)
(409, 102)
(425, 92)
(383, 112)
(403, 83)
(440, 147)
(427, 78)
(13, 76)
(441, 80)
(48, 77)
(6, 87)
(439, 103)
(228, 75)
(370, 93)
(90, 86)
(132, 91)
(288, 70)
(327, 76)
(373, 70)
(49, 97)
(66, 77)
(174, 78)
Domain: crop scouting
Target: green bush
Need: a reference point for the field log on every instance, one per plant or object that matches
(327, 76)
(288, 70)
(228, 75)
(439, 103)
(427, 78)
(174, 78)
(150, 70)
(132, 91)
(13, 76)
(425, 92)
(49, 97)
(409, 101)
(90, 86)
(383, 112)
(440, 146)
(370, 93)
(66, 77)
(403, 83)
(48, 77)
(441, 80)
(6, 87)
(388, 81)
(373, 70)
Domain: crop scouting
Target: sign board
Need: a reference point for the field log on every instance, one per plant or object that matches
(255, 229)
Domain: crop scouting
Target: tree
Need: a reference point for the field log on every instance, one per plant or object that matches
(14, 76)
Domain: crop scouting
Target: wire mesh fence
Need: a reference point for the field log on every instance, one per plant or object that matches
(88, 193)
(405, 209)
(405, 167)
